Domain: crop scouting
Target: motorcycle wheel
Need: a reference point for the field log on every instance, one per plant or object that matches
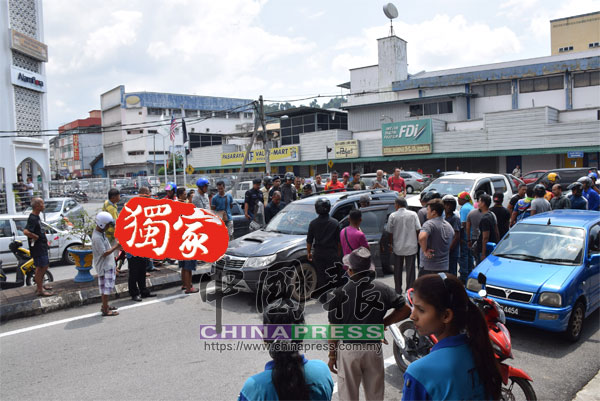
(48, 277)
(405, 357)
(525, 390)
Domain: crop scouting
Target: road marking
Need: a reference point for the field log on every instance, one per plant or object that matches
(387, 362)
(71, 319)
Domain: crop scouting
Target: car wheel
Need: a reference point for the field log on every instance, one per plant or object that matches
(67, 258)
(304, 282)
(409, 189)
(575, 326)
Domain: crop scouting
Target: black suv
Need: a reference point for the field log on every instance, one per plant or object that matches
(567, 176)
(281, 245)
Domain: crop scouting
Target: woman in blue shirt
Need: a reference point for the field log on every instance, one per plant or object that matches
(289, 376)
(461, 366)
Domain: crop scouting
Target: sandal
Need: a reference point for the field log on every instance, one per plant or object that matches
(47, 287)
(44, 294)
(110, 312)
(192, 290)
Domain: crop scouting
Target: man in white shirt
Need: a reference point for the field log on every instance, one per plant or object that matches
(404, 226)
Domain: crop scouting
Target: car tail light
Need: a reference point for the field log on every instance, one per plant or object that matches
(419, 180)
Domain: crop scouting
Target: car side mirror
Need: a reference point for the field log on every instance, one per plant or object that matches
(489, 248)
(481, 279)
(594, 259)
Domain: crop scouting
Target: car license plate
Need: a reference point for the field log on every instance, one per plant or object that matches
(511, 310)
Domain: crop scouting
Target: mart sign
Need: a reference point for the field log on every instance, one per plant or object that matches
(407, 137)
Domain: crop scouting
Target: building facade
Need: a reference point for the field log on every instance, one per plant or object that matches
(575, 34)
(77, 145)
(136, 127)
(23, 104)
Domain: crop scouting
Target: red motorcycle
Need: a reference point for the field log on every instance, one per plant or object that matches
(409, 346)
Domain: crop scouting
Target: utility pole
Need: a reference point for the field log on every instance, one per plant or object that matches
(249, 146)
(154, 143)
(327, 150)
(265, 136)
(184, 151)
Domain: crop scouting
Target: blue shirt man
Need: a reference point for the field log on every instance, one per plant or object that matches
(223, 203)
(593, 199)
(578, 202)
(447, 373)
(316, 373)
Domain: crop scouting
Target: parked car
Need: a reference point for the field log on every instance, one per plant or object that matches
(56, 208)
(532, 176)
(545, 271)
(149, 181)
(452, 172)
(567, 176)
(120, 183)
(241, 225)
(12, 226)
(241, 188)
(469, 182)
(281, 245)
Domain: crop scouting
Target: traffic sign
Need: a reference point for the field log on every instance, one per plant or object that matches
(189, 169)
(575, 155)
(330, 164)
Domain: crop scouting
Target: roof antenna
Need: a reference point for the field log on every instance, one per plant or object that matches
(549, 222)
(391, 12)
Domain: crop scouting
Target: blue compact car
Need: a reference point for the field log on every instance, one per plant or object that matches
(545, 271)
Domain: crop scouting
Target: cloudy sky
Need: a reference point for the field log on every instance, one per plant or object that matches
(282, 49)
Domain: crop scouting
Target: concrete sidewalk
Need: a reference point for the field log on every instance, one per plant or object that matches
(591, 391)
(22, 301)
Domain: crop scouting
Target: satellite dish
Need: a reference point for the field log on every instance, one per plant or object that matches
(390, 11)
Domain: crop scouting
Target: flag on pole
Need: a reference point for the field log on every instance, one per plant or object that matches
(173, 128)
(184, 130)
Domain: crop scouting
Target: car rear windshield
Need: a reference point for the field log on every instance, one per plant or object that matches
(450, 186)
(50, 207)
(293, 219)
(543, 243)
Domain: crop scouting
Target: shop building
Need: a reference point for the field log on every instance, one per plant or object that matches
(136, 125)
(23, 104)
(76, 146)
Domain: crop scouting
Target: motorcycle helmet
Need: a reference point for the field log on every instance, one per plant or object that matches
(103, 219)
(256, 181)
(430, 195)
(280, 312)
(553, 178)
(435, 195)
(268, 180)
(171, 186)
(576, 186)
(585, 180)
(539, 190)
(449, 199)
(289, 176)
(201, 182)
(593, 176)
(322, 206)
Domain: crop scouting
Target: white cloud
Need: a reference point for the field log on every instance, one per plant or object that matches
(438, 43)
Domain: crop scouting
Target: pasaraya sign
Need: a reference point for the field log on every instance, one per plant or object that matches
(407, 137)
(276, 155)
(28, 79)
(346, 149)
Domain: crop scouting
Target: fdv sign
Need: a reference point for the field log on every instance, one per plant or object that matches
(28, 79)
(407, 137)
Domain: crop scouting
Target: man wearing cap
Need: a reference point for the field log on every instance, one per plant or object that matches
(103, 260)
(403, 227)
(334, 183)
(465, 260)
(346, 179)
(362, 300)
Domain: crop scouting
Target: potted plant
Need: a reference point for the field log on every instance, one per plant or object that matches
(83, 227)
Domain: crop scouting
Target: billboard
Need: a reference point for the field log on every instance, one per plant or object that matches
(407, 137)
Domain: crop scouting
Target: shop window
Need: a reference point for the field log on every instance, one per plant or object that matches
(555, 83)
(445, 107)
(430, 109)
(136, 153)
(541, 84)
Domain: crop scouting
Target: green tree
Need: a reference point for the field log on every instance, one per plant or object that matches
(335, 103)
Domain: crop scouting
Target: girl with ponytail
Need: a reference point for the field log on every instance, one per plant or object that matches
(289, 375)
(461, 366)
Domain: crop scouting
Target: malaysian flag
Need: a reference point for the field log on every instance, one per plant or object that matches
(173, 128)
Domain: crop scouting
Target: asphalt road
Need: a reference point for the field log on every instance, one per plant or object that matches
(153, 351)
